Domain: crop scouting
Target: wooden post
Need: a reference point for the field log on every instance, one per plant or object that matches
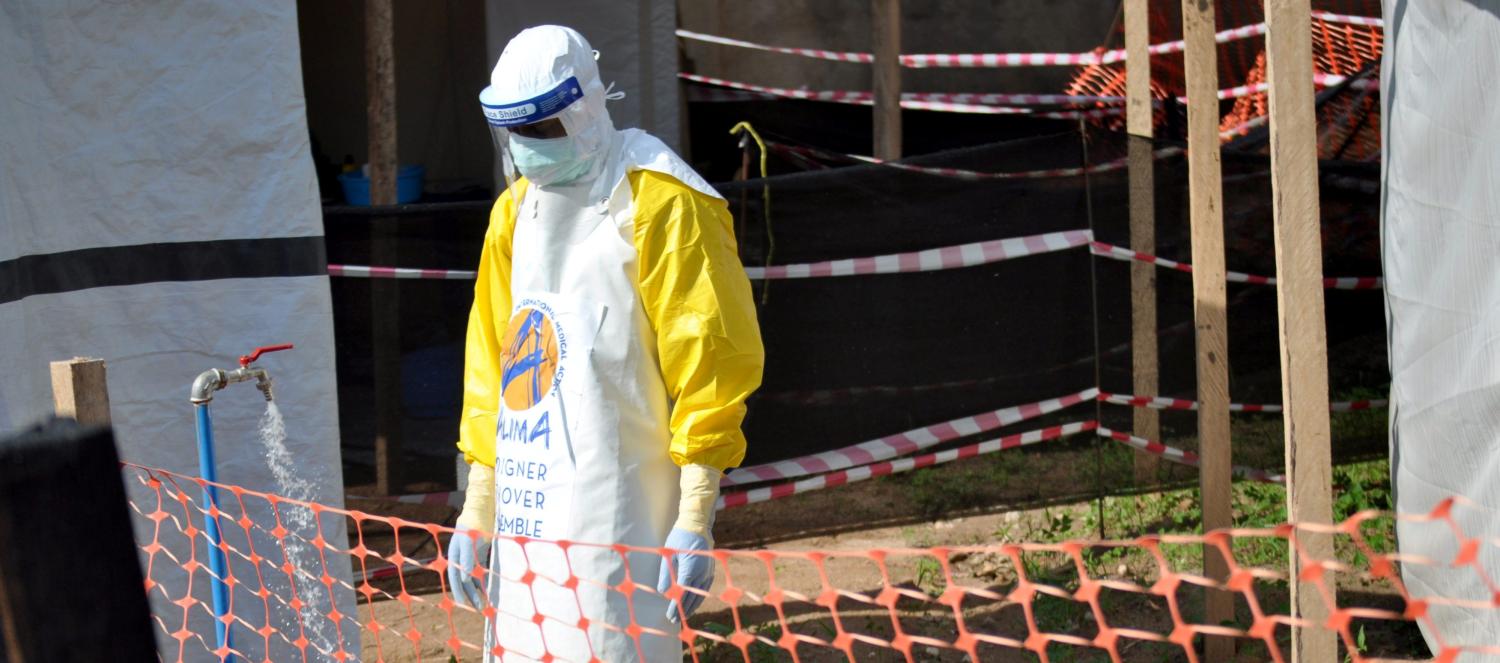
(70, 580)
(1141, 174)
(1299, 295)
(886, 29)
(380, 90)
(80, 390)
(1206, 199)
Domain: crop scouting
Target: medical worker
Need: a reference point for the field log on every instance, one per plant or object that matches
(611, 347)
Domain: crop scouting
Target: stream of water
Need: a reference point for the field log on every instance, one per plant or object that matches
(302, 527)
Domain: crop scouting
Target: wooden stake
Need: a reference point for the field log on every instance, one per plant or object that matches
(80, 390)
(1206, 197)
(385, 314)
(1137, 69)
(886, 27)
(380, 95)
(1299, 294)
(1141, 165)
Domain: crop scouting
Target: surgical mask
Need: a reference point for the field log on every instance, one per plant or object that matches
(547, 161)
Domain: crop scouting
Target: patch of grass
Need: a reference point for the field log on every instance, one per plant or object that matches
(1360, 424)
(1360, 487)
(1357, 487)
(1359, 645)
(1057, 615)
(930, 577)
(759, 652)
(1260, 505)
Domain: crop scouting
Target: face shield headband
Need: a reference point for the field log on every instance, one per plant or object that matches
(503, 116)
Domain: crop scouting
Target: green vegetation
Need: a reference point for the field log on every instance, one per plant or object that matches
(1357, 487)
(930, 577)
(758, 651)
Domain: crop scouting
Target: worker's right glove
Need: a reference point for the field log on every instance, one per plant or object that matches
(692, 532)
(469, 546)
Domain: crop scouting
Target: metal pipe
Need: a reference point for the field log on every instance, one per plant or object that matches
(215, 379)
(216, 561)
(205, 385)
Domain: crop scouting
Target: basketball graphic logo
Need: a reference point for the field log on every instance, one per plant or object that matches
(528, 359)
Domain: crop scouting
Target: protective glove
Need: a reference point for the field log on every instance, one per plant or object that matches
(463, 555)
(464, 552)
(692, 531)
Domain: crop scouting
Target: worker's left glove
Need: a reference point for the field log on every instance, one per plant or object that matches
(693, 531)
(466, 550)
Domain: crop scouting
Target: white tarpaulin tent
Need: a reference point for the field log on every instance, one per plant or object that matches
(1441, 236)
(158, 209)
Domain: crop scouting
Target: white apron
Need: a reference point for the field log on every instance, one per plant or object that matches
(581, 447)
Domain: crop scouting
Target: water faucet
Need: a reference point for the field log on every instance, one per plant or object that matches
(204, 386)
(215, 379)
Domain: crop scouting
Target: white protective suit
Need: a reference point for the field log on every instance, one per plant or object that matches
(613, 340)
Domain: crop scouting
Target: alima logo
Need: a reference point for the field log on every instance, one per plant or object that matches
(529, 357)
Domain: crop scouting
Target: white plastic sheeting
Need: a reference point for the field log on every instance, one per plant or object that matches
(1441, 226)
(129, 128)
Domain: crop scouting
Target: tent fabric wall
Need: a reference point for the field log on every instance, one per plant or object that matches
(1442, 164)
(637, 46)
(158, 209)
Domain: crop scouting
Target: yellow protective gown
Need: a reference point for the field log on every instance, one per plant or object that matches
(694, 291)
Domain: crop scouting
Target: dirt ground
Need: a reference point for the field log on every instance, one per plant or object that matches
(1026, 497)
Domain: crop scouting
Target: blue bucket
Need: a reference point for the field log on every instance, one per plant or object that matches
(408, 185)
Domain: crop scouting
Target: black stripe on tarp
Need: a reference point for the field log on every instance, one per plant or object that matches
(68, 271)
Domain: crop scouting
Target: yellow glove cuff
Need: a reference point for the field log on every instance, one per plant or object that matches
(479, 499)
(700, 491)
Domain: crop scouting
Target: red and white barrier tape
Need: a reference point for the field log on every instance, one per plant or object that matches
(1020, 99)
(930, 60)
(997, 60)
(901, 444)
(1332, 283)
(933, 101)
(1245, 127)
(1184, 457)
(369, 272)
(1367, 21)
(947, 257)
(838, 96)
(819, 54)
(1320, 80)
(733, 499)
(960, 173)
(974, 102)
(1159, 403)
(927, 60)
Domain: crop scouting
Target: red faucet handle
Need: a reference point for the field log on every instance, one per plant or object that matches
(246, 360)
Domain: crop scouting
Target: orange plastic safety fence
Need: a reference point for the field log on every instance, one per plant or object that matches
(315, 582)
(1349, 128)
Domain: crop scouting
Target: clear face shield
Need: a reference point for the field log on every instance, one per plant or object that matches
(532, 136)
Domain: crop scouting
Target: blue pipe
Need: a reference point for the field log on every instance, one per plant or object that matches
(216, 562)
